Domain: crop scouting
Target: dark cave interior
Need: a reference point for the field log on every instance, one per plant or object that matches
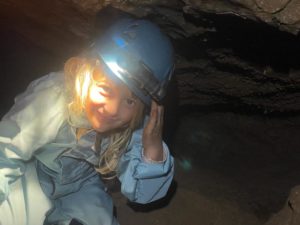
(255, 42)
(227, 152)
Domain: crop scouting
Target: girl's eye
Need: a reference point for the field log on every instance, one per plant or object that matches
(130, 102)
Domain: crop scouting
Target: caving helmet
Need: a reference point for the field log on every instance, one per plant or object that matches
(136, 52)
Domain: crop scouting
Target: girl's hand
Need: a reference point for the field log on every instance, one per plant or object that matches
(152, 134)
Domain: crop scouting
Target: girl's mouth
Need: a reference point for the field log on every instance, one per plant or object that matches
(106, 118)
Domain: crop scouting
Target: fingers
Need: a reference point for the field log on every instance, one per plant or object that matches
(152, 134)
(156, 116)
(153, 116)
(160, 116)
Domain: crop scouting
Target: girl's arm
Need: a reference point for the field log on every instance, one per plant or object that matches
(144, 182)
(32, 122)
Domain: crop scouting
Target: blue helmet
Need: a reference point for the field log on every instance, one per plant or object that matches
(137, 53)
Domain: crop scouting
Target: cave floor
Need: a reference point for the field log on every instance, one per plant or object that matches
(230, 169)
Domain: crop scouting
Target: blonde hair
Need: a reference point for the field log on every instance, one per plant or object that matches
(118, 142)
(78, 72)
(78, 77)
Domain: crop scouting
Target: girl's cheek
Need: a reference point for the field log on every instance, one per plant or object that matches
(129, 114)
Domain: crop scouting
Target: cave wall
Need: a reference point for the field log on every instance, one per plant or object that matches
(218, 62)
(241, 54)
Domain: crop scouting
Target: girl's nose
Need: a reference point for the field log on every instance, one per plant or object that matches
(112, 106)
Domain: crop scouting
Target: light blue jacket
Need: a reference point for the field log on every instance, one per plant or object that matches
(37, 126)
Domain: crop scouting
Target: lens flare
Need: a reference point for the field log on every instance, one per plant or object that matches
(186, 164)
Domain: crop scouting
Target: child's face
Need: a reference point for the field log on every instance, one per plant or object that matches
(110, 105)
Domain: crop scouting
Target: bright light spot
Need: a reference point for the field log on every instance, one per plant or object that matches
(95, 95)
(85, 85)
(82, 85)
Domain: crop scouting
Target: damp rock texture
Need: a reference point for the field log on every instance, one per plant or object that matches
(239, 52)
(290, 214)
(283, 14)
(242, 55)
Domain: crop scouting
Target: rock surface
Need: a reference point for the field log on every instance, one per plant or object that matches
(211, 68)
(240, 55)
(290, 214)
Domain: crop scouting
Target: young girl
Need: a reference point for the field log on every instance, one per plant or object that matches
(101, 116)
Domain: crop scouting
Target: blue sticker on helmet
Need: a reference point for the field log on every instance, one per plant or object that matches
(120, 42)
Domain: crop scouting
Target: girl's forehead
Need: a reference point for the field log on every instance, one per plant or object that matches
(100, 77)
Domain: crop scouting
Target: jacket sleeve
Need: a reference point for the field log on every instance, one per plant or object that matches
(143, 181)
(32, 122)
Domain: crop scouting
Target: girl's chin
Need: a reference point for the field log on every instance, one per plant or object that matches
(108, 129)
(101, 129)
